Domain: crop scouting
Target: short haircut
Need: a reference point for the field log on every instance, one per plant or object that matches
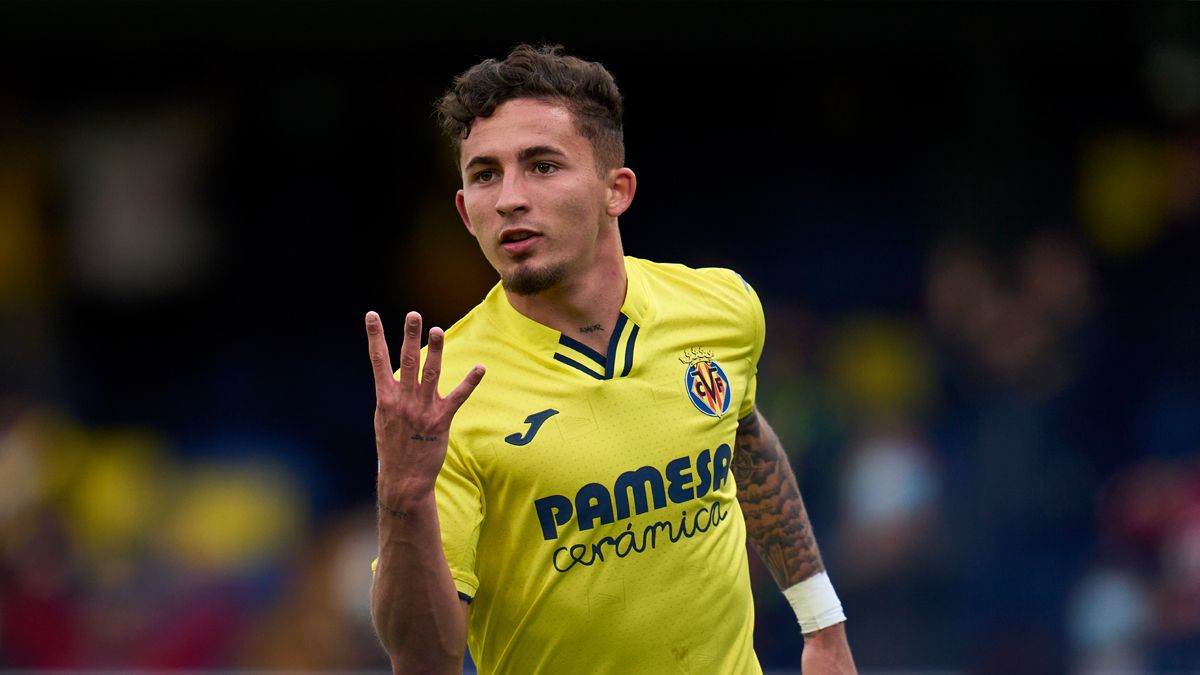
(585, 88)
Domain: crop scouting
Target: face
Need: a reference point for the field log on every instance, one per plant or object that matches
(533, 198)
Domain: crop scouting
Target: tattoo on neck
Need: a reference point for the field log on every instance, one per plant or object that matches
(590, 329)
(419, 437)
(384, 508)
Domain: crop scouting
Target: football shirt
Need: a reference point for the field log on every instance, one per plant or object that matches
(587, 506)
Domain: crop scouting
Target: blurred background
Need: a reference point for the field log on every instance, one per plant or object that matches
(972, 227)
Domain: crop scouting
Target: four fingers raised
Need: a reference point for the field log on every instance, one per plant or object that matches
(410, 358)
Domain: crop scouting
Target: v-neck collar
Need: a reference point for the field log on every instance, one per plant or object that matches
(618, 359)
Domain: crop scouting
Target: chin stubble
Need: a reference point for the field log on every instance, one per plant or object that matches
(532, 281)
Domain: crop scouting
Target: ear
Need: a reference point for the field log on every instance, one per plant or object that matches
(461, 204)
(622, 184)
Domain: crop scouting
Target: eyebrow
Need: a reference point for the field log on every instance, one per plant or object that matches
(523, 156)
(538, 151)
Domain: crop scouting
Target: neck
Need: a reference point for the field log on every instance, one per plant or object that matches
(584, 307)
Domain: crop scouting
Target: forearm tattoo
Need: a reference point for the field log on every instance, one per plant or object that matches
(776, 520)
(384, 508)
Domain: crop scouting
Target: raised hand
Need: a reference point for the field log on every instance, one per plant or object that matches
(412, 420)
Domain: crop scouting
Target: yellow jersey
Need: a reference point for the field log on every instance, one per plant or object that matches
(587, 507)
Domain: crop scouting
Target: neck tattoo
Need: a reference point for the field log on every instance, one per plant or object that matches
(590, 329)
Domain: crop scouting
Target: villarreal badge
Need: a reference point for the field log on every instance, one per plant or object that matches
(706, 384)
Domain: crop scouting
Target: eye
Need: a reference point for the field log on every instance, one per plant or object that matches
(485, 176)
(544, 168)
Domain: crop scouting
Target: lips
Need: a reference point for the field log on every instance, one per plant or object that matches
(518, 239)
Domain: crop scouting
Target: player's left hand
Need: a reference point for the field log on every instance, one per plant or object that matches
(826, 652)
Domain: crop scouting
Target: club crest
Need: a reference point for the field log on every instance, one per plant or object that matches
(706, 384)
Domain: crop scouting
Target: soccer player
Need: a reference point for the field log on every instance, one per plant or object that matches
(584, 508)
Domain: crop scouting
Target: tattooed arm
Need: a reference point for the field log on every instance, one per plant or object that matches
(778, 528)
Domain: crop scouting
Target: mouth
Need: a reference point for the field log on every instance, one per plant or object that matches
(517, 234)
(517, 239)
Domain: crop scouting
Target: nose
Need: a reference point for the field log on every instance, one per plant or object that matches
(512, 199)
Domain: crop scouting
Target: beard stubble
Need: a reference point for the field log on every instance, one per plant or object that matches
(527, 281)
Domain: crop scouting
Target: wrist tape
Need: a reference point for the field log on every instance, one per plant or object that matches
(815, 602)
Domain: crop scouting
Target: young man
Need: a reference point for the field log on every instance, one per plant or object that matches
(586, 512)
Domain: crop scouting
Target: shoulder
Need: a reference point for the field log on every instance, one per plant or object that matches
(470, 339)
(472, 327)
(480, 324)
(707, 285)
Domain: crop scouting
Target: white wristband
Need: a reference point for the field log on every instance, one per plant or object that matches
(816, 603)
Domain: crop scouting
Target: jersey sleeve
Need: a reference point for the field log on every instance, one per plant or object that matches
(757, 333)
(460, 513)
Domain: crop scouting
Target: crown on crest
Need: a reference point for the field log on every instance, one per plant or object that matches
(696, 355)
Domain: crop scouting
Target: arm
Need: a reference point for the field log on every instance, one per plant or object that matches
(778, 528)
(420, 620)
(415, 607)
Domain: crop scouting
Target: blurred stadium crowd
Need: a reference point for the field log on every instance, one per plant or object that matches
(976, 262)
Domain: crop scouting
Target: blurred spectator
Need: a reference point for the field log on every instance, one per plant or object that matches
(323, 618)
(136, 227)
(1109, 620)
(1149, 524)
(118, 557)
(1022, 432)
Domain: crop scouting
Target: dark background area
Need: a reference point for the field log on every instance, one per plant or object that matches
(973, 227)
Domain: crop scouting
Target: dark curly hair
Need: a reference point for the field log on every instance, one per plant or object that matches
(586, 88)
